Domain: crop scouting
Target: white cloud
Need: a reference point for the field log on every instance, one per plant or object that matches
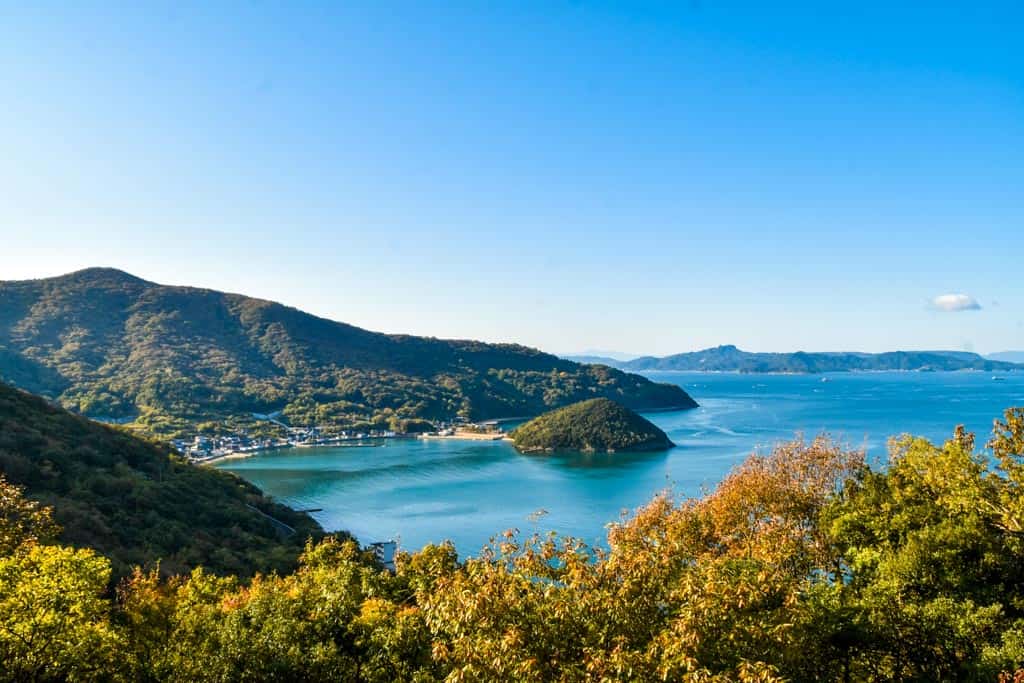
(953, 303)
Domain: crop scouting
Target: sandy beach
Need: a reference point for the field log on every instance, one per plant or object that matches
(230, 456)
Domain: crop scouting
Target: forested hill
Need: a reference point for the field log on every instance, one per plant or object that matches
(134, 502)
(110, 345)
(597, 425)
(731, 359)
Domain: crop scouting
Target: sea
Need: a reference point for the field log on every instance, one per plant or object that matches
(427, 491)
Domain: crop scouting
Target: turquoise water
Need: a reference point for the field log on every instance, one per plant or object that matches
(425, 491)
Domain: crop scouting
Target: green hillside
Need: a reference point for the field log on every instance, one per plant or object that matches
(596, 425)
(110, 345)
(134, 502)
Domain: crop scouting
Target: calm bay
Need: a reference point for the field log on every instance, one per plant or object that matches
(421, 491)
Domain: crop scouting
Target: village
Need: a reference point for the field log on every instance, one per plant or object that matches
(201, 448)
(208, 448)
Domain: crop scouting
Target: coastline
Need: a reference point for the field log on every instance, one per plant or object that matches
(670, 409)
(466, 436)
(239, 455)
(222, 458)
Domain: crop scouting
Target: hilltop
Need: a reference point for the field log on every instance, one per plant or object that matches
(595, 425)
(135, 502)
(110, 345)
(728, 358)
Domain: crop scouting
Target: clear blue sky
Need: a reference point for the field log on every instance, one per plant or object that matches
(646, 177)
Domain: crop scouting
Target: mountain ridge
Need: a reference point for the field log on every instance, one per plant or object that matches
(729, 358)
(1007, 356)
(103, 342)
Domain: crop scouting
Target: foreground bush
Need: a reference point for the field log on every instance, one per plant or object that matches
(804, 564)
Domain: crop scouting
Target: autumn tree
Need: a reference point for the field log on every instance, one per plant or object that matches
(22, 520)
(54, 618)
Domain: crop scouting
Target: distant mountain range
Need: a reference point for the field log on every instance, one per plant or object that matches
(109, 345)
(1007, 356)
(731, 359)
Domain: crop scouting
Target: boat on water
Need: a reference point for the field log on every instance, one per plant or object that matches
(997, 378)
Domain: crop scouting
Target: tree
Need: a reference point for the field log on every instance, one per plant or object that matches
(54, 621)
(22, 520)
(933, 571)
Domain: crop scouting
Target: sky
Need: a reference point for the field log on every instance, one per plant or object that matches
(645, 177)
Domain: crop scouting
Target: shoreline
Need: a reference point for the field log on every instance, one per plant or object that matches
(239, 455)
(670, 409)
(356, 443)
(466, 436)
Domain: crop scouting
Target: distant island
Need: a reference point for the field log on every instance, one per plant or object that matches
(728, 358)
(597, 425)
(173, 361)
(1007, 356)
